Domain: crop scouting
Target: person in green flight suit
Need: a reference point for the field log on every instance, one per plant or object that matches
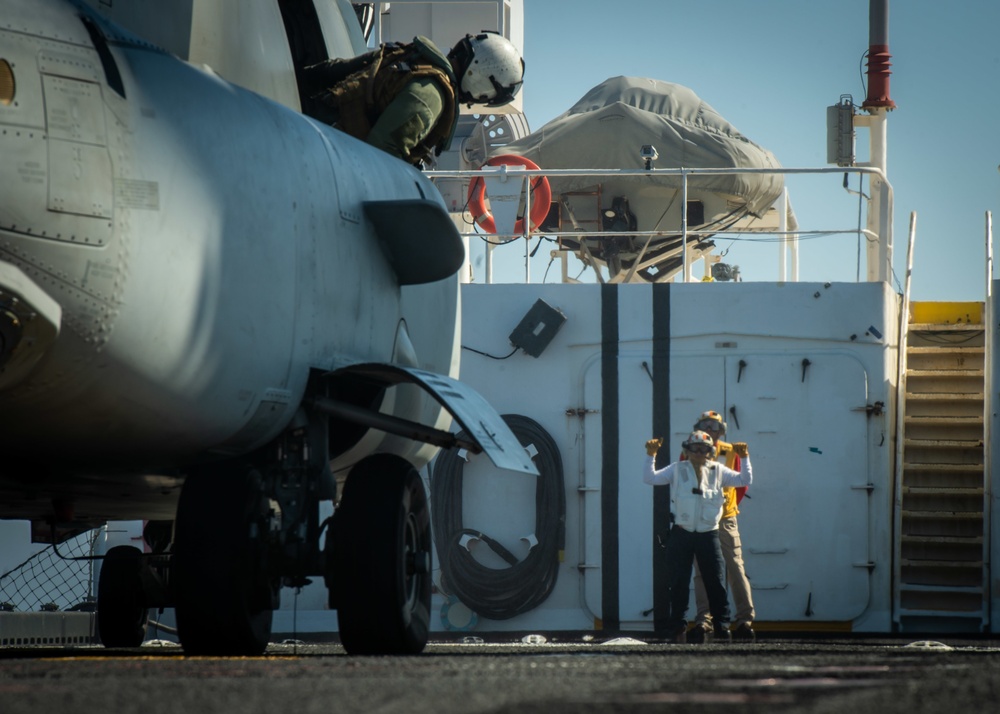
(404, 98)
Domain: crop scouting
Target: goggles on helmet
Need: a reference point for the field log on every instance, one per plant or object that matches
(702, 449)
(711, 426)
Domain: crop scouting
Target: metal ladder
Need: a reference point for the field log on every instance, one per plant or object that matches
(941, 552)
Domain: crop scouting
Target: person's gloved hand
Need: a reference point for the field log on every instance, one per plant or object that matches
(653, 445)
(741, 449)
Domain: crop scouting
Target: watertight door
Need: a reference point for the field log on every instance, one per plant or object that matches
(804, 522)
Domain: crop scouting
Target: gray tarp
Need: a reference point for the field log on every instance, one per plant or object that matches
(607, 127)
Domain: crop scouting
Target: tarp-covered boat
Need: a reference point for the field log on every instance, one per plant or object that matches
(607, 129)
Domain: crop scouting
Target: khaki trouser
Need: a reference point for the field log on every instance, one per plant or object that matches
(739, 584)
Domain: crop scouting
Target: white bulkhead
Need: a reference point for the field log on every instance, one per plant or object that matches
(801, 372)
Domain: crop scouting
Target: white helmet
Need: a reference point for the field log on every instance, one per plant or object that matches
(489, 69)
(699, 441)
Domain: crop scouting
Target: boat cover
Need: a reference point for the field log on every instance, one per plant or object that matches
(609, 125)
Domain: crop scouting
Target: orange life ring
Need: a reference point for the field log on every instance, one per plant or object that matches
(541, 195)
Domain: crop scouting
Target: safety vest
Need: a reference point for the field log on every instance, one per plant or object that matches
(361, 98)
(696, 512)
(732, 496)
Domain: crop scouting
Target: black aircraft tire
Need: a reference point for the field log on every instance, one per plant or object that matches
(121, 614)
(223, 590)
(382, 553)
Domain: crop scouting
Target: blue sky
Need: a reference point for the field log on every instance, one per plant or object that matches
(771, 67)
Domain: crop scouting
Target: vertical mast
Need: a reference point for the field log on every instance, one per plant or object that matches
(878, 104)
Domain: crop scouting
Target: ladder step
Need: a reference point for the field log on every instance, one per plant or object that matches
(968, 429)
(953, 524)
(939, 548)
(968, 385)
(966, 494)
(942, 589)
(944, 358)
(942, 396)
(935, 601)
(945, 443)
(943, 419)
(935, 476)
(939, 500)
(972, 372)
(906, 612)
(943, 491)
(943, 540)
(944, 404)
(971, 387)
(931, 327)
(944, 469)
(971, 351)
(944, 564)
(947, 579)
(941, 451)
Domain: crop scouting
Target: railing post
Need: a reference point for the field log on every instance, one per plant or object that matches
(526, 231)
(684, 226)
(488, 263)
(885, 232)
(794, 245)
(783, 243)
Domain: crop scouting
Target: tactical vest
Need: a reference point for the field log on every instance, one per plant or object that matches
(361, 98)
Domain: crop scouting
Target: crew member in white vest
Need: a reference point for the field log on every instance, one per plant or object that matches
(696, 501)
(732, 546)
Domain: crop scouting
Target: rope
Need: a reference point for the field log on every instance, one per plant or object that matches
(500, 594)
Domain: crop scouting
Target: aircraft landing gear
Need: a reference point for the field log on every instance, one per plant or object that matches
(381, 559)
(121, 611)
(225, 591)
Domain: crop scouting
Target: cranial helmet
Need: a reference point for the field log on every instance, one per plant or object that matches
(489, 69)
(699, 438)
(711, 422)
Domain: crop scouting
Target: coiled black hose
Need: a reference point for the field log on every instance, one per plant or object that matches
(500, 594)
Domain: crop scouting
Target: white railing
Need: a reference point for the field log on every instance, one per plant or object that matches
(877, 231)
